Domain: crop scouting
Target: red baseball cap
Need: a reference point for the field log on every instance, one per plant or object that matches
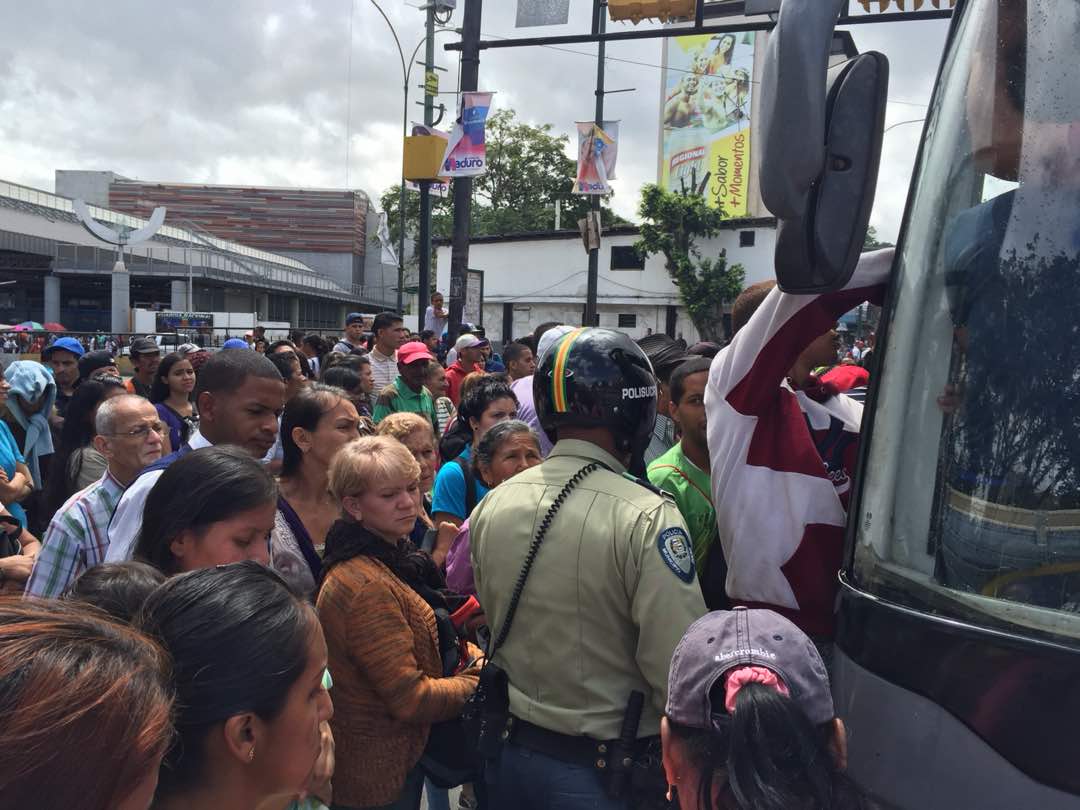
(413, 351)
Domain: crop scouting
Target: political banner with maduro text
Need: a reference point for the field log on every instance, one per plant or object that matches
(466, 153)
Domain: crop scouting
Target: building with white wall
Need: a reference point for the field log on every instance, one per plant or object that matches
(532, 278)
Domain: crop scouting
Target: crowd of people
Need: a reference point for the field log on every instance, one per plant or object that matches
(295, 574)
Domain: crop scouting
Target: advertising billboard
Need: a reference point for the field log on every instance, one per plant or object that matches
(707, 88)
(179, 321)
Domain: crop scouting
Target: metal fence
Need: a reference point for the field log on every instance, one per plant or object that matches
(29, 345)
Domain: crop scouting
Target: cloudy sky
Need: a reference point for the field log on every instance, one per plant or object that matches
(258, 91)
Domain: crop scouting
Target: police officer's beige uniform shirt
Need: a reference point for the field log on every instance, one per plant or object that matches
(610, 594)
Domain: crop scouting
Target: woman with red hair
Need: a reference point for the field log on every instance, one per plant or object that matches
(85, 708)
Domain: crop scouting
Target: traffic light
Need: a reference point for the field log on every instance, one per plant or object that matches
(638, 10)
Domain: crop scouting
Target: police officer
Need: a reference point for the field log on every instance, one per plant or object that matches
(612, 588)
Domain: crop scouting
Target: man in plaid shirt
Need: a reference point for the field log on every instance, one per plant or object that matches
(129, 435)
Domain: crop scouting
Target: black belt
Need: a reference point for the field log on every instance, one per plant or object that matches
(582, 751)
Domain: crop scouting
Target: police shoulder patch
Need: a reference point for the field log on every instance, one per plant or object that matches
(677, 553)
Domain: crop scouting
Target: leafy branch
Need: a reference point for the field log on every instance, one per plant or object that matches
(671, 225)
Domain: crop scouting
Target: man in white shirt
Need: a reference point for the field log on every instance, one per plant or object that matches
(435, 316)
(240, 396)
(390, 332)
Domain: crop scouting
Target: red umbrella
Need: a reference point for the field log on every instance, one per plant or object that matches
(55, 327)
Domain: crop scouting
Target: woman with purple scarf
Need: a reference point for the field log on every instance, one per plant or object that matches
(316, 424)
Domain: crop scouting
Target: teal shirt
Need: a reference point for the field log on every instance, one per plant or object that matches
(10, 455)
(674, 473)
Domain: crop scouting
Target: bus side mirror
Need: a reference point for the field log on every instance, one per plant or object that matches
(818, 251)
(822, 131)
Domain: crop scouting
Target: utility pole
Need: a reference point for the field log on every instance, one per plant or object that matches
(401, 205)
(459, 256)
(599, 25)
(424, 283)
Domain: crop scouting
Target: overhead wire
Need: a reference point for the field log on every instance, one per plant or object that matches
(639, 63)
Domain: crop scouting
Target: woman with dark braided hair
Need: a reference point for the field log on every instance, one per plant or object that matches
(397, 668)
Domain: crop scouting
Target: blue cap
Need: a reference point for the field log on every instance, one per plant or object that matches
(353, 317)
(68, 344)
(235, 343)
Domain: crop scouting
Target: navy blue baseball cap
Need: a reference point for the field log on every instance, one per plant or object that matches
(354, 317)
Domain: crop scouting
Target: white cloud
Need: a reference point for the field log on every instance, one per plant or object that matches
(256, 91)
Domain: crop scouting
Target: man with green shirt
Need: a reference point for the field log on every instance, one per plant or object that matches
(683, 471)
(407, 392)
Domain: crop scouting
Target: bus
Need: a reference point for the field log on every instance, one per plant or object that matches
(957, 662)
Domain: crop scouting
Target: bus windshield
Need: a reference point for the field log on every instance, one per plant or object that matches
(970, 504)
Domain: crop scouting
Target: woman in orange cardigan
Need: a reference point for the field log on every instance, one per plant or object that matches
(381, 633)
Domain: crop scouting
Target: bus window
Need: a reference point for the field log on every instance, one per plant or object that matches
(971, 500)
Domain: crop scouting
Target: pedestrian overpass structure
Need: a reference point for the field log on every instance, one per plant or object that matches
(56, 271)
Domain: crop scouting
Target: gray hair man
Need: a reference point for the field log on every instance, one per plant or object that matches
(130, 436)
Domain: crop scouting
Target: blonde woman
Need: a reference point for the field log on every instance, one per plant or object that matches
(414, 431)
(376, 606)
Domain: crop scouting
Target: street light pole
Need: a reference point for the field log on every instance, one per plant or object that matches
(401, 202)
(424, 279)
(404, 131)
(406, 72)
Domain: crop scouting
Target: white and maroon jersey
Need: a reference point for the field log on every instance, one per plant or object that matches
(781, 462)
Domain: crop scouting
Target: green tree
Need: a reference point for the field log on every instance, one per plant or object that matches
(671, 225)
(871, 241)
(528, 170)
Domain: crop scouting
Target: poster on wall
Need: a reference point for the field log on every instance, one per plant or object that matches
(466, 154)
(473, 311)
(706, 117)
(598, 148)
